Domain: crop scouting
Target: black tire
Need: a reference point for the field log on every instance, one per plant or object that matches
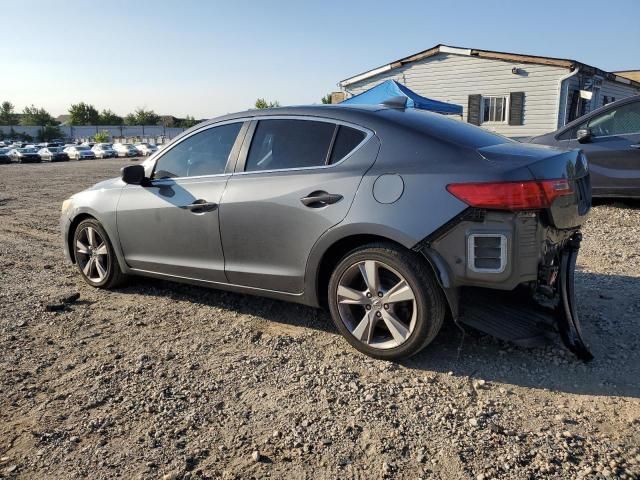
(429, 302)
(113, 276)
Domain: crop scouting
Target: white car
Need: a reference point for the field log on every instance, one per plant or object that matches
(125, 150)
(104, 150)
(146, 148)
(80, 152)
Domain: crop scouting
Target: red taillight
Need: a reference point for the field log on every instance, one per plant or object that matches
(525, 195)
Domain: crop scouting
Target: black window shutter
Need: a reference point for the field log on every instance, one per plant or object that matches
(516, 108)
(473, 110)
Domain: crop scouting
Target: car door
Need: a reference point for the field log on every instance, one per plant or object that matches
(614, 150)
(171, 225)
(296, 177)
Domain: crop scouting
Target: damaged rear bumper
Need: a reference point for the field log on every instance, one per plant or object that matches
(510, 275)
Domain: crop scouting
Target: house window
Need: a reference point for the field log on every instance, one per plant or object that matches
(494, 109)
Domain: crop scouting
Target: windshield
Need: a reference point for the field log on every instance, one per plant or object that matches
(82, 148)
(4, 150)
(27, 150)
(54, 149)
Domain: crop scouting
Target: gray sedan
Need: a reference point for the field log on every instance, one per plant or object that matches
(610, 137)
(392, 219)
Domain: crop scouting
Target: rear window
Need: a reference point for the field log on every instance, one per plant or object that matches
(447, 129)
(346, 141)
(282, 144)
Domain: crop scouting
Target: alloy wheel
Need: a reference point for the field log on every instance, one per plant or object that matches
(92, 254)
(376, 304)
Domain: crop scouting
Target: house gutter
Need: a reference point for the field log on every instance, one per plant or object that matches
(562, 79)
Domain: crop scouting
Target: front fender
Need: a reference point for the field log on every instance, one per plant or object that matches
(100, 204)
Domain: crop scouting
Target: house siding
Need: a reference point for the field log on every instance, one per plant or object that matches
(452, 78)
(608, 88)
(617, 90)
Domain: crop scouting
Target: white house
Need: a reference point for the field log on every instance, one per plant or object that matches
(512, 94)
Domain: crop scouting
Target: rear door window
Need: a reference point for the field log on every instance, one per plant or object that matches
(289, 143)
(293, 143)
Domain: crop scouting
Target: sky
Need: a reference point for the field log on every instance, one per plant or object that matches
(206, 58)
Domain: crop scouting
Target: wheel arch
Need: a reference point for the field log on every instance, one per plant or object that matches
(113, 239)
(335, 253)
(72, 231)
(330, 249)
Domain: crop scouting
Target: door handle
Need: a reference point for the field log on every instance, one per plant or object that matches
(320, 199)
(201, 206)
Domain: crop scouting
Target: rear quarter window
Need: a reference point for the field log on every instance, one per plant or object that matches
(347, 139)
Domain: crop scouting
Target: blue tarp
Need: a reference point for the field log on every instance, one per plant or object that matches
(391, 88)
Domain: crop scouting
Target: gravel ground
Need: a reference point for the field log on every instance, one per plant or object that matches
(160, 380)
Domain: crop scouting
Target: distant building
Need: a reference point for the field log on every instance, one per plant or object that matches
(63, 119)
(512, 94)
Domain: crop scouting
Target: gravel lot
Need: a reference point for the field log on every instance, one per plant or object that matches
(160, 380)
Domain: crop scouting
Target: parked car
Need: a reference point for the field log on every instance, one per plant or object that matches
(53, 154)
(125, 150)
(104, 150)
(392, 218)
(80, 152)
(24, 155)
(610, 137)
(4, 155)
(146, 149)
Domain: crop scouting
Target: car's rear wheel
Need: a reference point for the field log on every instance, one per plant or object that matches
(95, 256)
(385, 301)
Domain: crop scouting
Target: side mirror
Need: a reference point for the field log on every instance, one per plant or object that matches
(584, 135)
(133, 175)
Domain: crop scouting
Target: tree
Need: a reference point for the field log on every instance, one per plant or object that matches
(326, 99)
(83, 114)
(7, 115)
(142, 116)
(188, 122)
(49, 132)
(102, 137)
(262, 103)
(107, 117)
(37, 116)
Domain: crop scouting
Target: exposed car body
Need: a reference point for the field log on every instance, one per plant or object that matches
(53, 154)
(391, 217)
(146, 149)
(4, 155)
(610, 137)
(104, 150)
(125, 150)
(24, 155)
(80, 152)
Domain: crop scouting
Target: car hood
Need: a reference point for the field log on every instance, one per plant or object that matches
(107, 184)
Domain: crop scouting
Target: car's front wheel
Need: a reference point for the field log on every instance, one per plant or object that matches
(385, 301)
(95, 256)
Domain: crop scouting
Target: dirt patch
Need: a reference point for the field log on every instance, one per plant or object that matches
(160, 380)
